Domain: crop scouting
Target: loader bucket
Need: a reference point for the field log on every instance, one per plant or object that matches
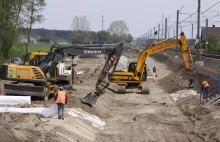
(90, 99)
(24, 90)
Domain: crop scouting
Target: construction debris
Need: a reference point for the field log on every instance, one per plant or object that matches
(45, 112)
(14, 100)
(79, 113)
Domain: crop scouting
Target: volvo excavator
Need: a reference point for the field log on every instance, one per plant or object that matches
(38, 79)
(137, 73)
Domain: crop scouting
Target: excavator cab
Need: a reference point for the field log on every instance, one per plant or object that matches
(132, 67)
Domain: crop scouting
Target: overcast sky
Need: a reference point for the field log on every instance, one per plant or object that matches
(140, 15)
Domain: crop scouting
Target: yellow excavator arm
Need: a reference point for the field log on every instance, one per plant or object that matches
(162, 45)
(137, 71)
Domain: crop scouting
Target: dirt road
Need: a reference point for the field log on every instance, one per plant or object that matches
(131, 117)
(135, 117)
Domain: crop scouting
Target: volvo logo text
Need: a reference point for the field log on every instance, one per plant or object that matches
(92, 51)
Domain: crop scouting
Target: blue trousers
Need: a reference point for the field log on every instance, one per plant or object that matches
(60, 110)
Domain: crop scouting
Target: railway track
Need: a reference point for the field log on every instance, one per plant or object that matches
(216, 56)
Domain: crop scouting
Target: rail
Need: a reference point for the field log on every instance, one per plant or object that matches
(216, 56)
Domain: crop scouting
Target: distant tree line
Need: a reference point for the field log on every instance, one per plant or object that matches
(118, 31)
(77, 37)
(51, 36)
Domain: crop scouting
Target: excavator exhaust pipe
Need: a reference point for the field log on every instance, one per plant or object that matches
(90, 99)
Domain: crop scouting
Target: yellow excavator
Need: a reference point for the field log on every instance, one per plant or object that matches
(136, 72)
(39, 79)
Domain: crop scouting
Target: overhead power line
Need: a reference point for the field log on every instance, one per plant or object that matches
(210, 7)
(183, 20)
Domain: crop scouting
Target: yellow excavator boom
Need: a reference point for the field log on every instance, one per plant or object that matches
(162, 45)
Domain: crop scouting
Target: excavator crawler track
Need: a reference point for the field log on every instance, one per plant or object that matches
(121, 88)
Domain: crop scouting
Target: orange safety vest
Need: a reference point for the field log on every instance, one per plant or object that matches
(205, 84)
(61, 97)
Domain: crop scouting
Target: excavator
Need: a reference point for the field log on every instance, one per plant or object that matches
(137, 73)
(39, 79)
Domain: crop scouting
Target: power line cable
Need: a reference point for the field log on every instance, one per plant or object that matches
(210, 7)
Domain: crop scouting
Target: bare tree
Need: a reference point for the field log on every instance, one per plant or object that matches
(80, 23)
(118, 27)
(118, 30)
(32, 12)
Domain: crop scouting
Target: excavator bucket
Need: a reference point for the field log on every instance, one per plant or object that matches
(90, 99)
(192, 80)
(191, 83)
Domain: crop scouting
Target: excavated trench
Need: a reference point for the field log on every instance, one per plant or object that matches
(205, 118)
(129, 117)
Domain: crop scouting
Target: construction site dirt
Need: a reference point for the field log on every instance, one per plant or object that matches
(130, 117)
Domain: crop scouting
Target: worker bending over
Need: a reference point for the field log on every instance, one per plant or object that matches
(205, 87)
(61, 100)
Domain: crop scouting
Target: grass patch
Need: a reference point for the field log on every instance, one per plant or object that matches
(40, 46)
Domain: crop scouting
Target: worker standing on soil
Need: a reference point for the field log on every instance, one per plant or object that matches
(154, 71)
(61, 100)
(205, 87)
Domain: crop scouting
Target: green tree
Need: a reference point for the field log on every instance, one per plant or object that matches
(103, 36)
(78, 37)
(10, 11)
(129, 38)
(14, 16)
(118, 30)
(115, 38)
(213, 41)
(33, 14)
(118, 27)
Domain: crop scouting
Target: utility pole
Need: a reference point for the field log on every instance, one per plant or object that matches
(169, 33)
(151, 34)
(192, 31)
(165, 28)
(146, 39)
(162, 28)
(154, 33)
(206, 36)
(148, 35)
(177, 32)
(158, 32)
(198, 32)
(102, 22)
(174, 33)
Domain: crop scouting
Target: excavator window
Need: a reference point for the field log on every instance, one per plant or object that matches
(37, 60)
(132, 67)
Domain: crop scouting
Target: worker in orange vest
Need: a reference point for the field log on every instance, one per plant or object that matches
(61, 100)
(205, 87)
